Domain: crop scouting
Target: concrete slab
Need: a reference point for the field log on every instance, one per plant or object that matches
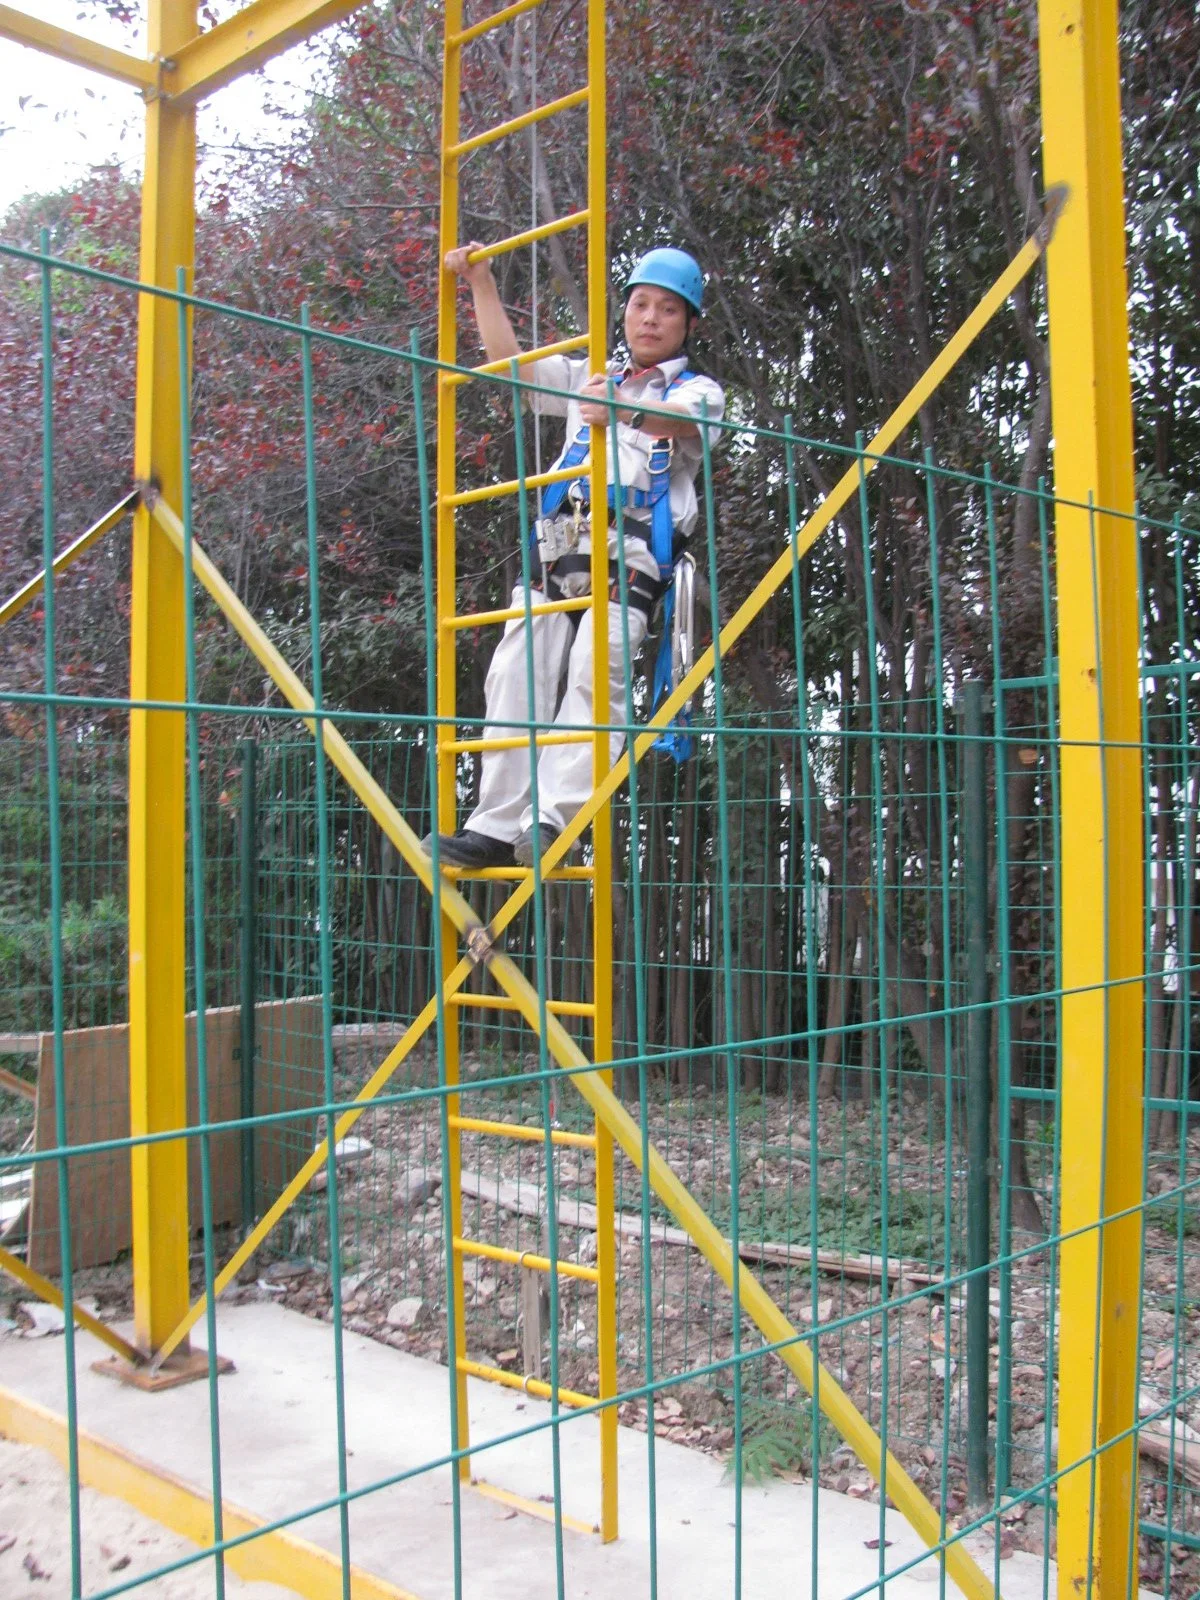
(279, 1456)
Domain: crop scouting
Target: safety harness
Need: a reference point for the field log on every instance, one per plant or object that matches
(644, 592)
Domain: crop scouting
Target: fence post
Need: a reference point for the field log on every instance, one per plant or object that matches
(248, 883)
(979, 1090)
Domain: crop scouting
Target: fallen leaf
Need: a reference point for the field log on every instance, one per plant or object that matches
(120, 1564)
(873, 1544)
(7, 1540)
(31, 1566)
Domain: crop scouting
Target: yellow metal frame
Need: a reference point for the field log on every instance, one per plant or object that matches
(458, 918)
(67, 557)
(1101, 891)
(449, 624)
(1102, 880)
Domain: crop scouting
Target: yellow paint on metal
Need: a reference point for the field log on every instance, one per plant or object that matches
(602, 714)
(566, 102)
(545, 230)
(531, 1508)
(66, 558)
(517, 1130)
(487, 619)
(252, 36)
(1102, 1040)
(497, 1002)
(277, 1557)
(559, 348)
(157, 1081)
(45, 1290)
(493, 491)
(518, 741)
(446, 579)
(74, 47)
(514, 1380)
(496, 20)
(524, 1258)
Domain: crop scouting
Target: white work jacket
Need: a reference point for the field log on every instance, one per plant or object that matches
(568, 375)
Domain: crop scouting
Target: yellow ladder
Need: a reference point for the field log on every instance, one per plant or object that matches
(449, 497)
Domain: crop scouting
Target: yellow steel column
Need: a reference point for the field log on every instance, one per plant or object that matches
(603, 712)
(157, 1084)
(1102, 866)
(447, 639)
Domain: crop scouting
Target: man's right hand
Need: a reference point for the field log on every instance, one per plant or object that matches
(475, 273)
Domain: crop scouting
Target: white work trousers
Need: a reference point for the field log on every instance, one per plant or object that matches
(564, 771)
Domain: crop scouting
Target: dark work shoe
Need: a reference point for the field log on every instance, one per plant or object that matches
(470, 849)
(523, 850)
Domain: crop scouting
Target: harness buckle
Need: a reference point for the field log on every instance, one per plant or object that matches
(558, 536)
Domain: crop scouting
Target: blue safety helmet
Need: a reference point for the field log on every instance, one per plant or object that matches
(672, 269)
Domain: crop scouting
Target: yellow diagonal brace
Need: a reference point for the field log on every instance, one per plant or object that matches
(47, 1291)
(255, 34)
(756, 1303)
(67, 46)
(28, 591)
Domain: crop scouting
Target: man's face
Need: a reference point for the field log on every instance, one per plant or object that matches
(656, 324)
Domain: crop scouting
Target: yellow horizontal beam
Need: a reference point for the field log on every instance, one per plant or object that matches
(503, 1002)
(74, 47)
(566, 102)
(485, 619)
(524, 1258)
(52, 1295)
(514, 1380)
(495, 491)
(28, 591)
(531, 1508)
(496, 874)
(253, 36)
(455, 41)
(518, 1130)
(561, 347)
(518, 741)
(279, 1557)
(573, 219)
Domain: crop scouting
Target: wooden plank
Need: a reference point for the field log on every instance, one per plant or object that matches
(20, 1044)
(21, 1087)
(524, 1200)
(96, 1071)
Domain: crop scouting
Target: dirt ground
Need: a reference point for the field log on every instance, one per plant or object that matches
(117, 1543)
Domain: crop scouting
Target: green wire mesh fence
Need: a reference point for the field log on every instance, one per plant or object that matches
(837, 984)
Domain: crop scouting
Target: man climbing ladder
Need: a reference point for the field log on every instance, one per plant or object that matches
(655, 462)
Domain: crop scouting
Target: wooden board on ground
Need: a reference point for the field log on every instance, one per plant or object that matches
(96, 1074)
(525, 1201)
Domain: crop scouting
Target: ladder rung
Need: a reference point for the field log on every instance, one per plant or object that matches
(574, 219)
(544, 608)
(557, 875)
(566, 102)
(519, 741)
(514, 1380)
(562, 348)
(521, 1133)
(505, 1002)
(493, 491)
(455, 41)
(532, 1508)
(523, 1258)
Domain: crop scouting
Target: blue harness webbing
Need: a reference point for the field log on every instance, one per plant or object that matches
(672, 741)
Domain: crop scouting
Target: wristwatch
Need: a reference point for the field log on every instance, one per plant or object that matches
(636, 419)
